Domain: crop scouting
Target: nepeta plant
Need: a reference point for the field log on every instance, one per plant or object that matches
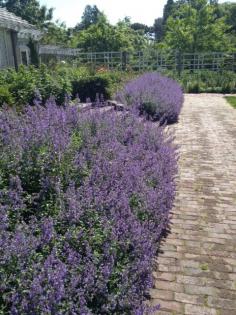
(157, 97)
(84, 200)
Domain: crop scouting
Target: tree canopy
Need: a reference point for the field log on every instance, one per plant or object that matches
(186, 25)
(194, 27)
(158, 29)
(103, 36)
(168, 10)
(29, 10)
(90, 16)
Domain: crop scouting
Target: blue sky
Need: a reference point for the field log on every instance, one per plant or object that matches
(146, 11)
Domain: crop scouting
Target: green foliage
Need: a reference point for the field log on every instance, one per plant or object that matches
(19, 88)
(22, 87)
(231, 18)
(168, 10)
(57, 34)
(21, 84)
(90, 87)
(193, 27)
(90, 16)
(207, 81)
(228, 10)
(5, 95)
(103, 36)
(29, 10)
(34, 57)
(186, 26)
(105, 84)
(231, 100)
(158, 28)
(196, 26)
(141, 27)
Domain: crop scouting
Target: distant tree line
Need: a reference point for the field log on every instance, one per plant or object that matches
(186, 25)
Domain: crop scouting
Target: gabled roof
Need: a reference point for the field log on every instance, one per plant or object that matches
(11, 21)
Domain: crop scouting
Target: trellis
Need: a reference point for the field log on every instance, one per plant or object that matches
(14, 36)
(142, 60)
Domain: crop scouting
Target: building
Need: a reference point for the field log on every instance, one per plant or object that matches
(15, 34)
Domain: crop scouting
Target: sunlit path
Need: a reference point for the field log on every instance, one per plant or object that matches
(196, 274)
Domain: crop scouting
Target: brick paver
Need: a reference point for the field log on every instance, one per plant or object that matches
(196, 271)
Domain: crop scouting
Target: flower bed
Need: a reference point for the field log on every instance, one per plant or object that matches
(157, 97)
(84, 200)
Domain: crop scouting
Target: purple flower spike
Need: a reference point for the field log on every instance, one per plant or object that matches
(84, 200)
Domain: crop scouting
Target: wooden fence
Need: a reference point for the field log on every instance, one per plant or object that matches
(143, 60)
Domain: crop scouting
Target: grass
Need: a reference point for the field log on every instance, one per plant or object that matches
(231, 100)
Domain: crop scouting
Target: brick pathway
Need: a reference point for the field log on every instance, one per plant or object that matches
(196, 274)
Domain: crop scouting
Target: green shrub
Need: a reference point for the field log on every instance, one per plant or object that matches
(193, 87)
(105, 83)
(5, 95)
(90, 87)
(23, 84)
(206, 81)
(56, 83)
(20, 87)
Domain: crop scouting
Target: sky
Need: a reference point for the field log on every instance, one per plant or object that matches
(143, 11)
(70, 11)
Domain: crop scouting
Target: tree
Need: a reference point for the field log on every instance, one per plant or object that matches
(168, 10)
(229, 12)
(158, 28)
(90, 16)
(159, 23)
(29, 10)
(103, 36)
(143, 29)
(58, 34)
(195, 28)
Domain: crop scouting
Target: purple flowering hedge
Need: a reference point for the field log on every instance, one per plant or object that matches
(84, 199)
(156, 96)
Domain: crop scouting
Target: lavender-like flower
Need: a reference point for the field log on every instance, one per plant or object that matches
(155, 96)
(84, 200)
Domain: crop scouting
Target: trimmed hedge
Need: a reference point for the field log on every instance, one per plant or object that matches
(91, 86)
(84, 200)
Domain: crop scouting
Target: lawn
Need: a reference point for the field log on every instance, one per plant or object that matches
(231, 100)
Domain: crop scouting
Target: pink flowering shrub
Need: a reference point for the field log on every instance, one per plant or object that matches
(84, 200)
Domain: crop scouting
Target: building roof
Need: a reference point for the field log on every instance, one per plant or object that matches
(11, 21)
